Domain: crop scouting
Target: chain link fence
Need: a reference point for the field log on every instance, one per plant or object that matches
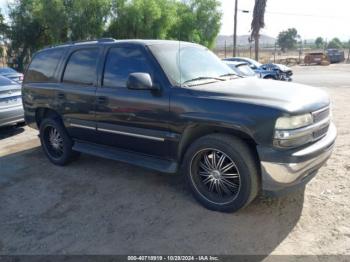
(273, 54)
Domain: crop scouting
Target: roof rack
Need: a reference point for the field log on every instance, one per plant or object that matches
(100, 40)
(107, 39)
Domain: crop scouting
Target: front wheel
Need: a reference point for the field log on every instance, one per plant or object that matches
(222, 172)
(270, 78)
(56, 142)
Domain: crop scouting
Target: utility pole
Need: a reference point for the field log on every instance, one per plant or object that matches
(235, 30)
(300, 50)
(225, 48)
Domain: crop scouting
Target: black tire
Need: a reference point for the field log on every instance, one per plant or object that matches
(59, 152)
(21, 124)
(245, 172)
(270, 78)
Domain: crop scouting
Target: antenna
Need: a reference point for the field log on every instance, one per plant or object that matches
(179, 37)
(180, 63)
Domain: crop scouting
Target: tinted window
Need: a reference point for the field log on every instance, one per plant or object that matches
(246, 70)
(185, 64)
(43, 66)
(122, 61)
(81, 67)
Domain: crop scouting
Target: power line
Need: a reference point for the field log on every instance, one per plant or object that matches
(296, 14)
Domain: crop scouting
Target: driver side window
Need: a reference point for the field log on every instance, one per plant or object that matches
(122, 61)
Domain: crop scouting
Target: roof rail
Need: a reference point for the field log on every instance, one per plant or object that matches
(107, 39)
(100, 40)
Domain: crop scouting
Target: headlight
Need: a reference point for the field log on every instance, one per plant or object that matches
(293, 122)
(292, 131)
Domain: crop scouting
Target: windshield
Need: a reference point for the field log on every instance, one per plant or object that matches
(234, 68)
(190, 64)
(252, 61)
(245, 70)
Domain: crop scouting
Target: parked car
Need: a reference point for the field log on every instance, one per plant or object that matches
(266, 71)
(11, 109)
(317, 58)
(176, 107)
(11, 74)
(241, 68)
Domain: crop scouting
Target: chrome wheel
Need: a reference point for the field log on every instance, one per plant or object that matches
(215, 176)
(54, 142)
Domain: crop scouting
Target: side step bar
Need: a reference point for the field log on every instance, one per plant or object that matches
(161, 165)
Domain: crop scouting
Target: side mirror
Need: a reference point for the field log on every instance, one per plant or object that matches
(140, 81)
(253, 67)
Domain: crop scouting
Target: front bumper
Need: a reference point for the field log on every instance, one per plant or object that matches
(284, 171)
(11, 116)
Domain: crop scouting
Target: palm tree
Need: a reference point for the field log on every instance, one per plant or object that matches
(257, 23)
(348, 52)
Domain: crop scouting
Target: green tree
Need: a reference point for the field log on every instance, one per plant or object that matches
(335, 43)
(319, 42)
(26, 30)
(162, 19)
(38, 23)
(3, 33)
(142, 19)
(86, 19)
(287, 39)
(3, 26)
(198, 21)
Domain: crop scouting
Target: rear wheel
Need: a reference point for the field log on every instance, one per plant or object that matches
(222, 172)
(56, 142)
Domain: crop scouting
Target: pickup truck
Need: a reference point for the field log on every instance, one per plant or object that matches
(175, 107)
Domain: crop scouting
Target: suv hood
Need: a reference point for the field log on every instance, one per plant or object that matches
(289, 97)
(283, 67)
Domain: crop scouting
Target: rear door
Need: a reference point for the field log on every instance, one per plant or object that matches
(76, 95)
(42, 82)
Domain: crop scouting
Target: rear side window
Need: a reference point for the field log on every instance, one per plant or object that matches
(43, 66)
(81, 67)
(122, 61)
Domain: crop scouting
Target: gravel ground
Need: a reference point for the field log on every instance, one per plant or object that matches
(97, 206)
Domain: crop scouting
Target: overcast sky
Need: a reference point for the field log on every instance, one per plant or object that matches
(311, 18)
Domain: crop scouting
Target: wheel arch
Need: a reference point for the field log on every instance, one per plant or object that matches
(43, 112)
(269, 76)
(195, 132)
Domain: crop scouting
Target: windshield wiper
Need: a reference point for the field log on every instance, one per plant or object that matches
(231, 74)
(203, 78)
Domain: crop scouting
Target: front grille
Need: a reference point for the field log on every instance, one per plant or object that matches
(321, 114)
(321, 132)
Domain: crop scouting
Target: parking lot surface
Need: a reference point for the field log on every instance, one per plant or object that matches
(98, 206)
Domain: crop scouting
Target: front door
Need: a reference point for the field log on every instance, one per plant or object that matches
(135, 120)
